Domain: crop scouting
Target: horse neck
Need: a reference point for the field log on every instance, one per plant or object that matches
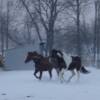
(35, 61)
(79, 62)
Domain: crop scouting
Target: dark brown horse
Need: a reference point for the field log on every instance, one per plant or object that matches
(57, 61)
(41, 63)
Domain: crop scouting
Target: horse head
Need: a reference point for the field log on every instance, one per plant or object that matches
(76, 59)
(32, 56)
(28, 57)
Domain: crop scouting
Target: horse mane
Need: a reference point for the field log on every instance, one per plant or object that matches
(55, 52)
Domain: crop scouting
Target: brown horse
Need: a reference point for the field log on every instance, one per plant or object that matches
(41, 63)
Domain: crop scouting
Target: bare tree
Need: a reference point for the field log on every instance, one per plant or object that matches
(32, 18)
(28, 28)
(78, 27)
(1, 28)
(12, 30)
(7, 32)
(97, 33)
(75, 10)
(48, 11)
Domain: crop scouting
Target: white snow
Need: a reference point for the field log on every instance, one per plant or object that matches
(22, 85)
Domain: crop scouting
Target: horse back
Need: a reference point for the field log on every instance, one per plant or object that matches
(45, 61)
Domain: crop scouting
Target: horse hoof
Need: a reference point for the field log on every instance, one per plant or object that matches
(39, 78)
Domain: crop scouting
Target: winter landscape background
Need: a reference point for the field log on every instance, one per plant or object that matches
(72, 26)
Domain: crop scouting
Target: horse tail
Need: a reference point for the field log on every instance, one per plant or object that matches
(84, 70)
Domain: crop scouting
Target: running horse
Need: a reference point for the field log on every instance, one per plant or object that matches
(41, 64)
(57, 58)
(75, 64)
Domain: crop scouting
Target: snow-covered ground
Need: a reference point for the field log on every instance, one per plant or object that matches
(22, 85)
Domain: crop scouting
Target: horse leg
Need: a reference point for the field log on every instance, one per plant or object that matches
(57, 70)
(40, 75)
(73, 74)
(36, 71)
(50, 73)
(61, 75)
(78, 75)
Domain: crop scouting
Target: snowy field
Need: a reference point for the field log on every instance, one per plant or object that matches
(22, 85)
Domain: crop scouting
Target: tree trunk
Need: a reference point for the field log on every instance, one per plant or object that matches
(1, 29)
(95, 35)
(7, 32)
(50, 41)
(78, 29)
(98, 35)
